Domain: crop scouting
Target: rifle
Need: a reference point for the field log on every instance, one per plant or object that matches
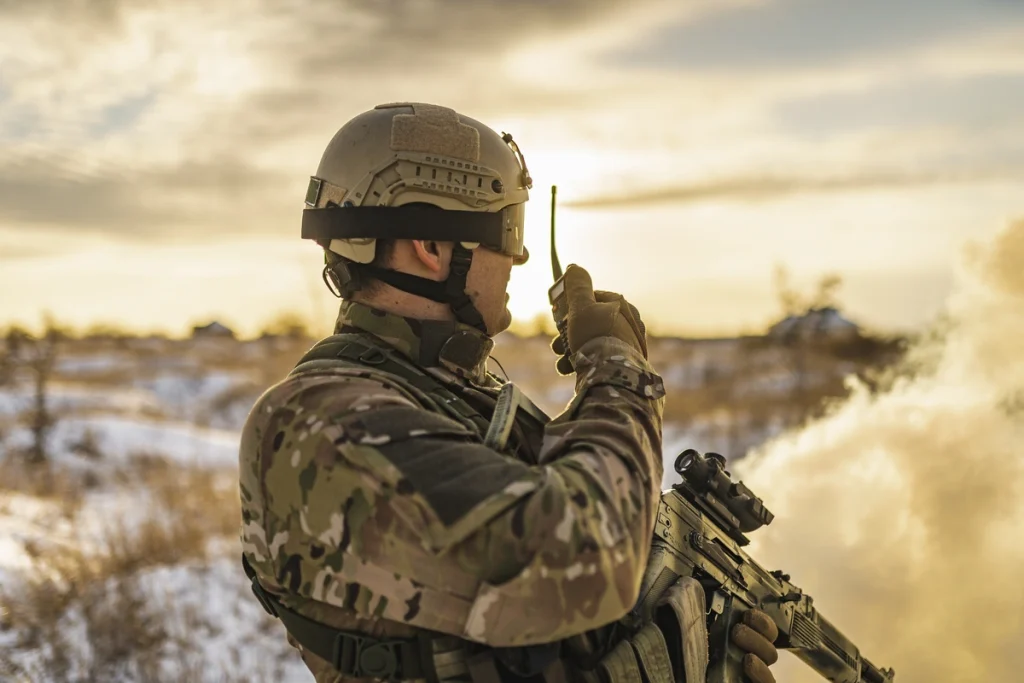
(699, 532)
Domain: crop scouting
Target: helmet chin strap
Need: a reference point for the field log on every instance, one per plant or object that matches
(451, 291)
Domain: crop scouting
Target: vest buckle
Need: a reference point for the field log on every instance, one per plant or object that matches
(366, 657)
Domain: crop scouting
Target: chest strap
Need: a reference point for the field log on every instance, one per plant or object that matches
(351, 653)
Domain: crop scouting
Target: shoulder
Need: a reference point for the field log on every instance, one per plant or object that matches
(334, 391)
(300, 406)
(313, 441)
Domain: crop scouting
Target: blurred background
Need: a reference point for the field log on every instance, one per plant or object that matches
(815, 204)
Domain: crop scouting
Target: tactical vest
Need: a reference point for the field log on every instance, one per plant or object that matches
(515, 426)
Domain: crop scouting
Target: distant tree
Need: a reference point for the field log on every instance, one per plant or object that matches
(540, 325)
(41, 363)
(788, 298)
(105, 330)
(38, 356)
(15, 341)
(828, 287)
(793, 302)
(55, 330)
(288, 324)
(801, 349)
(8, 355)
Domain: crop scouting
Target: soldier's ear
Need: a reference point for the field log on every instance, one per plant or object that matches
(435, 256)
(430, 254)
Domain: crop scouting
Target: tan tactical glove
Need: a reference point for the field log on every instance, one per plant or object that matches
(756, 636)
(596, 314)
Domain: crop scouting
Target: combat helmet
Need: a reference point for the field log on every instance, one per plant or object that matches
(386, 173)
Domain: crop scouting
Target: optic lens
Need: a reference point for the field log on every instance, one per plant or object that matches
(685, 460)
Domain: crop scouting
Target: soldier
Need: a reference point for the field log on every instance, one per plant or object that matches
(406, 514)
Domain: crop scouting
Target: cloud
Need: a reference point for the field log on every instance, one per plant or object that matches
(806, 34)
(165, 119)
(172, 120)
(986, 101)
(181, 201)
(765, 188)
(16, 251)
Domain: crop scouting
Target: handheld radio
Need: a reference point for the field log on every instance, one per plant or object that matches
(556, 294)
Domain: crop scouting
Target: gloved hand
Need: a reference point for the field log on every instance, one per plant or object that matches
(755, 635)
(596, 314)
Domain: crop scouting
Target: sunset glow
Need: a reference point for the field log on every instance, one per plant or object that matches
(155, 155)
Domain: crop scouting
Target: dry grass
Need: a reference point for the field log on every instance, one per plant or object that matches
(43, 481)
(71, 592)
(94, 595)
(199, 503)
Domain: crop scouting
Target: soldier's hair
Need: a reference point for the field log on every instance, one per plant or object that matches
(385, 249)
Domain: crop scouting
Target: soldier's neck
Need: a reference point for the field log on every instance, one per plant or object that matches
(397, 302)
(430, 342)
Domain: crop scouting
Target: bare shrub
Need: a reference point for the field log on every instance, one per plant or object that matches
(239, 397)
(43, 481)
(278, 358)
(289, 324)
(187, 507)
(794, 302)
(204, 499)
(87, 445)
(84, 612)
(70, 594)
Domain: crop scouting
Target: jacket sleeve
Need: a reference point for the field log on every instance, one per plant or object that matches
(361, 499)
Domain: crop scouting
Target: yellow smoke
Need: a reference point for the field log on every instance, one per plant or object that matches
(903, 513)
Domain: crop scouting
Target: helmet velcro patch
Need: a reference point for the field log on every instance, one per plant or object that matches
(434, 130)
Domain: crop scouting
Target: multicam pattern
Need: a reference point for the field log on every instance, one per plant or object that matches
(367, 511)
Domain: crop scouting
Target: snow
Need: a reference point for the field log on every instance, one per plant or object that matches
(779, 382)
(120, 438)
(26, 520)
(182, 396)
(217, 628)
(683, 376)
(234, 634)
(62, 398)
(182, 392)
(88, 364)
(816, 322)
(210, 619)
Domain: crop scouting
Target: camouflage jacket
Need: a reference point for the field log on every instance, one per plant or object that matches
(366, 508)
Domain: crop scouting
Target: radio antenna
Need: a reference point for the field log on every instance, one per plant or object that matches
(556, 267)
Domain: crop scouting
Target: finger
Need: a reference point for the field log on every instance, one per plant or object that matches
(602, 296)
(632, 317)
(636, 317)
(558, 345)
(564, 366)
(762, 623)
(579, 288)
(749, 640)
(756, 670)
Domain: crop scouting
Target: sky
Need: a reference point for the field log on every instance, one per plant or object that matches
(154, 154)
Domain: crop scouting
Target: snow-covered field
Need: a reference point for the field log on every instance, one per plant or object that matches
(123, 564)
(131, 438)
